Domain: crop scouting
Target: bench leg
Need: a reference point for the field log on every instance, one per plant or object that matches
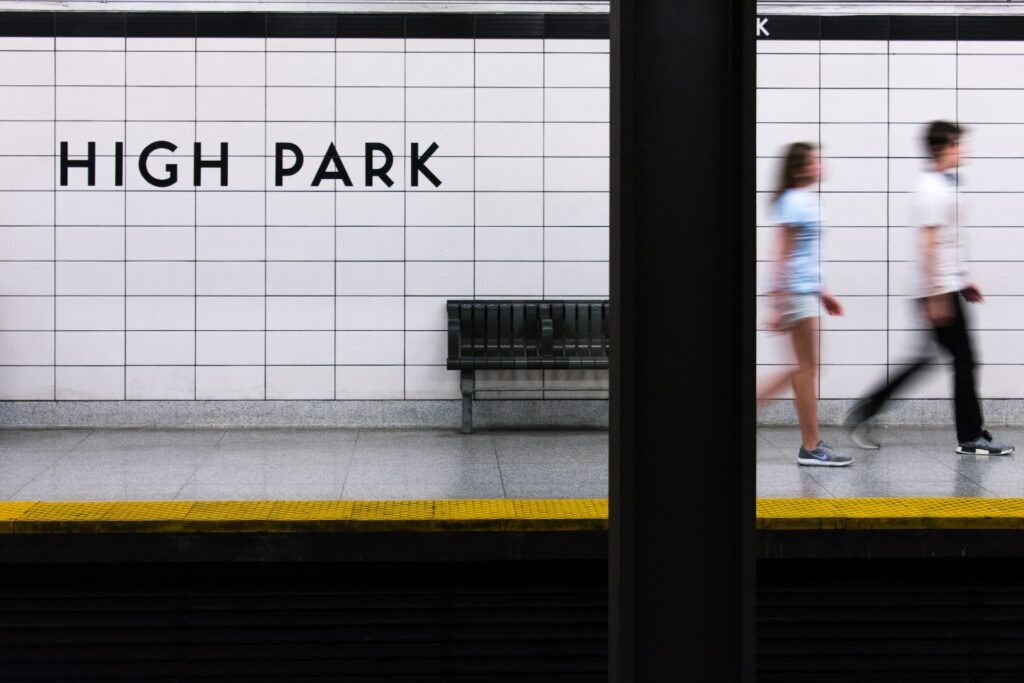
(468, 383)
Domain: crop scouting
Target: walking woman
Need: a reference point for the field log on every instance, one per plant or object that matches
(796, 294)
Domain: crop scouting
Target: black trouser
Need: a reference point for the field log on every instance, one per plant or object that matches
(955, 338)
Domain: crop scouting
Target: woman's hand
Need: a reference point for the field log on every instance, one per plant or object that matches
(831, 304)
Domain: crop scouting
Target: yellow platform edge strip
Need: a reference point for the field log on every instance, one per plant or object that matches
(268, 516)
(283, 516)
(879, 514)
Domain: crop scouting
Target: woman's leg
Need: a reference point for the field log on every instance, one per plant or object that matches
(805, 344)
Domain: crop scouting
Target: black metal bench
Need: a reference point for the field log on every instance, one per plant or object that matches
(523, 335)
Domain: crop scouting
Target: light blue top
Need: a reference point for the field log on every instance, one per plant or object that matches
(802, 272)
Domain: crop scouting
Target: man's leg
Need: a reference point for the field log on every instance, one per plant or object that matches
(956, 338)
(868, 407)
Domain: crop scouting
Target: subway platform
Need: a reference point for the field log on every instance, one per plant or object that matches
(300, 464)
(912, 463)
(441, 464)
(914, 497)
(348, 494)
(301, 494)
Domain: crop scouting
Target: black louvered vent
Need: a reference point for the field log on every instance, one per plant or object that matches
(891, 620)
(403, 622)
(842, 620)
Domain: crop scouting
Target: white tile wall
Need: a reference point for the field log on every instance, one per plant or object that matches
(252, 291)
(866, 102)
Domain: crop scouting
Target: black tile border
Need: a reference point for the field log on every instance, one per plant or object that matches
(231, 25)
(922, 28)
(789, 27)
(855, 28)
(510, 26)
(991, 28)
(449, 25)
(90, 24)
(576, 26)
(370, 26)
(27, 24)
(889, 27)
(465, 25)
(161, 25)
(302, 25)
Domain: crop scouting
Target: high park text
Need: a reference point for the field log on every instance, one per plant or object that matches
(288, 160)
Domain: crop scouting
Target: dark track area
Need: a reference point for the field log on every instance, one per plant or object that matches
(818, 620)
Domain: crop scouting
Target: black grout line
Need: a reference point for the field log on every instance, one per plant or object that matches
(125, 219)
(395, 122)
(417, 191)
(240, 330)
(334, 247)
(55, 170)
(283, 365)
(266, 78)
(405, 209)
(285, 261)
(515, 295)
(888, 187)
(195, 231)
(597, 88)
(820, 222)
(473, 296)
(543, 186)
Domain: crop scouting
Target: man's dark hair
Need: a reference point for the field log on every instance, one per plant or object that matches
(941, 134)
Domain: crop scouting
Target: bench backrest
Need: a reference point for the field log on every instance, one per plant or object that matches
(527, 333)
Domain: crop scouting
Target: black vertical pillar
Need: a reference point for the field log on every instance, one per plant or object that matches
(682, 377)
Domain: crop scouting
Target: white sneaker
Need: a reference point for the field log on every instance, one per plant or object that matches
(983, 445)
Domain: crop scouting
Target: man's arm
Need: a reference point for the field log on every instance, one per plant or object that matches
(938, 307)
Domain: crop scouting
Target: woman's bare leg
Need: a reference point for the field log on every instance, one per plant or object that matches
(805, 344)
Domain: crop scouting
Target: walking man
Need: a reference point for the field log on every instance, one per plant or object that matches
(943, 289)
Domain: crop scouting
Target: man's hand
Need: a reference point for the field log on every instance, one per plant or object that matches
(972, 293)
(831, 304)
(939, 309)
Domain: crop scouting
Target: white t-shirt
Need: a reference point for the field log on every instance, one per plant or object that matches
(935, 205)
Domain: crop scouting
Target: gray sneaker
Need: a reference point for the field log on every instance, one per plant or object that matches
(822, 455)
(983, 445)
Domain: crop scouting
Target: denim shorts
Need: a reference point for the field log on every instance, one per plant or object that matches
(795, 307)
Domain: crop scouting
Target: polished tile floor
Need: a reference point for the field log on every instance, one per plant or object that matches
(210, 464)
(913, 463)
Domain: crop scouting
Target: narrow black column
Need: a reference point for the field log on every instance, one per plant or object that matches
(682, 377)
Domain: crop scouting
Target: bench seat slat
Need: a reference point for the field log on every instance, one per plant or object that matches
(490, 334)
